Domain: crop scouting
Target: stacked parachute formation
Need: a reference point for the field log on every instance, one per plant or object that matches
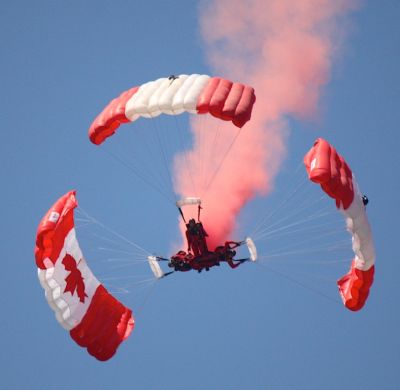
(196, 94)
(327, 168)
(98, 321)
(94, 318)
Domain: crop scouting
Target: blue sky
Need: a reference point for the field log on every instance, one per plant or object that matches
(251, 328)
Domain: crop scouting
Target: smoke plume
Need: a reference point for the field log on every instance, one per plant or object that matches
(285, 50)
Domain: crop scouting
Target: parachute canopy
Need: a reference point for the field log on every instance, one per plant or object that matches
(95, 319)
(328, 168)
(197, 94)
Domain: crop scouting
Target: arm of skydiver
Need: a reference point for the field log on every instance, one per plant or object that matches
(231, 244)
(232, 264)
(235, 265)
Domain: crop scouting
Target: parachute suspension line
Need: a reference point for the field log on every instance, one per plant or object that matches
(133, 280)
(139, 175)
(141, 167)
(152, 140)
(208, 153)
(112, 242)
(311, 275)
(305, 229)
(296, 210)
(291, 260)
(291, 219)
(303, 285)
(268, 215)
(106, 240)
(115, 267)
(264, 219)
(183, 147)
(124, 257)
(164, 155)
(139, 309)
(130, 277)
(198, 143)
(300, 183)
(308, 251)
(310, 217)
(304, 226)
(138, 252)
(150, 285)
(304, 248)
(221, 162)
(202, 148)
(118, 260)
(162, 149)
(81, 223)
(298, 239)
(111, 246)
(147, 253)
(115, 285)
(114, 250)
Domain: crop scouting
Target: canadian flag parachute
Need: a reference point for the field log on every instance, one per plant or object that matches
(328, 168)
(94, 318)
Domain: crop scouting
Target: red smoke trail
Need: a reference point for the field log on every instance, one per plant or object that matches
(284, 49)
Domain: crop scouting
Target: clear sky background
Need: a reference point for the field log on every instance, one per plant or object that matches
(252, 328)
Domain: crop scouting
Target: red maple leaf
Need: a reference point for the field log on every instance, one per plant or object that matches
(74, 280)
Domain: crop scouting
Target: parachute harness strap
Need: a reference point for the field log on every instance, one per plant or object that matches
(167, 274)
(181, 212)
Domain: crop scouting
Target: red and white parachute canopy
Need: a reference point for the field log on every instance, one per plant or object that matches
(328, 168)
(94, 318)
(197, 94)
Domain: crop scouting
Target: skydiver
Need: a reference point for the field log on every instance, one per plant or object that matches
(198, 256)
(196, 238)
(227, 253)
(183, 261)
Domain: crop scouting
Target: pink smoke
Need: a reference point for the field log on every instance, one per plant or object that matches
(284, 49)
